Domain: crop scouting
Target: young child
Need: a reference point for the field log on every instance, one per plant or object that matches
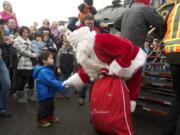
(49, 43)
(86, 8)
(65, 63)
(47, 86)
(38, 44)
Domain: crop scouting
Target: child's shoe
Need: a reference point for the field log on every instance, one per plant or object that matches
(44, 124)
(52, 119)
(56, 119)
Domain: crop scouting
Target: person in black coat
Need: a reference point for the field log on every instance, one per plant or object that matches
(135, 22)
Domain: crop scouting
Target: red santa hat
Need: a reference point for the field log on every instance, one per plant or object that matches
(145, 2)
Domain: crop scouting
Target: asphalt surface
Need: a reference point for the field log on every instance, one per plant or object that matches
(74, 120)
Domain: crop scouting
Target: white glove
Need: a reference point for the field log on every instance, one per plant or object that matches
(67, 84)
(74, 81)
(133, 105)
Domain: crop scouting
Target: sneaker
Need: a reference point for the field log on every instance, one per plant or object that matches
(45, 124)
(5, 115)
(81, 101)
(56, 119)
(53, 119)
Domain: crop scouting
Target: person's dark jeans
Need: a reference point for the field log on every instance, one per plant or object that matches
(45, 109)
(5, 86)
(173, 119)
(23, 77)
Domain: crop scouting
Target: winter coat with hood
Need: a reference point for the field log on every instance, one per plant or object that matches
(46, 82)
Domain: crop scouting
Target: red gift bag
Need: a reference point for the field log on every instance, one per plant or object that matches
(110, 107)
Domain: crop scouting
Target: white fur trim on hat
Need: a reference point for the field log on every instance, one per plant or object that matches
(77, 36)
(126, 73)
(133, 105)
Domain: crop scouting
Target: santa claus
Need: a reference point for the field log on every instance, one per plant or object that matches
(108, 61)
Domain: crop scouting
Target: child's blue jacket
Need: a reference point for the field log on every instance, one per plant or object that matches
(46, 82)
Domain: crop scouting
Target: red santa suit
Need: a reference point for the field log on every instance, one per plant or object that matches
(115, 55)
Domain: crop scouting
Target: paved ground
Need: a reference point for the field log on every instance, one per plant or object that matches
(74, 120)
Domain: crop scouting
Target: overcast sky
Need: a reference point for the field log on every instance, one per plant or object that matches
(28, 11)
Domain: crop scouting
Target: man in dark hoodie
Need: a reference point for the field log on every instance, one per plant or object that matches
(135, 22)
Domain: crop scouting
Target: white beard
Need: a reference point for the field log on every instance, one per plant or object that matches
(86, 57)
(82, 41)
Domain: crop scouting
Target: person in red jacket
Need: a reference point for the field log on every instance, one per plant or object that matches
(116, 57)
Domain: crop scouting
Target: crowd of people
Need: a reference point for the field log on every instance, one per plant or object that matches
(35, 61)
(21, 47)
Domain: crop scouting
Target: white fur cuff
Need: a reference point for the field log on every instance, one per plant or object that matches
(117, 70)
(127, 72)
(76, 81)
(133, 105)
(139, 60)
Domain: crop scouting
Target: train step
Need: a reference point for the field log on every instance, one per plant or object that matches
(158, 90)
(156, 98)
(157, 83)
(158, 74)
(153, 107)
